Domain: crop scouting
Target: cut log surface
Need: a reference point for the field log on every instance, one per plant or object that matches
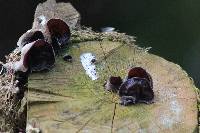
(66, 99)
(69, 99)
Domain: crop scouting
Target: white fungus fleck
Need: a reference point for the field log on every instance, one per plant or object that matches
(90, 68)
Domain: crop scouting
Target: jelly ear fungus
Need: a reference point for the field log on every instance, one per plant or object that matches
(59, 32)
(36, 56)
(40, 56)
(137, 87)
(28, 37)
(113, 84)
(37, 48)
(141, 73)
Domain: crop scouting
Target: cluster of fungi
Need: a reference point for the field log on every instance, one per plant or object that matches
(36, 52)
(38, 47)
(137, 87)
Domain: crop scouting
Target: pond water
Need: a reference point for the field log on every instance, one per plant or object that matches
(171, 28)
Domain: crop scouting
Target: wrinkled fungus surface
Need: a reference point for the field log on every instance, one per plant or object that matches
(141, 73)
(135, 90)
(137, 87)
(37, 53)
(59, 31)
(35, 56)
(40, 56)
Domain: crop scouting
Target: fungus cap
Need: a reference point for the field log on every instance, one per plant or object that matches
(36, 56)
(59, 32)
(28, 37)
(141, 73)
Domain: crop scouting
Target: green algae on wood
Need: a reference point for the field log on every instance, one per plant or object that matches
(79, 104)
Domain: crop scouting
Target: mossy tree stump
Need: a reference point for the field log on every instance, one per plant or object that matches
(65, 99)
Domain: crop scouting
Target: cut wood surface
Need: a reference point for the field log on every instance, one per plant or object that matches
(66, 99)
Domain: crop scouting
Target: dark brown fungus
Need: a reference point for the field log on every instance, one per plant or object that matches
(40, 56)
(67, 58)
(59, 31)
(28, 37)
(37, 35)
(36, 56)
(113, 84)
(136, 90)
(137, 87)
(140, 73)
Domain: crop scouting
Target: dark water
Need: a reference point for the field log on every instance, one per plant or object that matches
(170, 27)
(16, 17)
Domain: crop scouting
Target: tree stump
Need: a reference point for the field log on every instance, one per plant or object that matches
(66, 99)
(51, 9)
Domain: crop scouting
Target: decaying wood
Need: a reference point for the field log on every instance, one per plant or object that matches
(51, 9)
(81, 99)
(66, 99)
